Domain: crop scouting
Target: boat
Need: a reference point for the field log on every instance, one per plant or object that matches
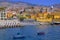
(40, 33)
(18, 36)
(56, 23)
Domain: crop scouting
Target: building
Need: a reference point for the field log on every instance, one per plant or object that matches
(2, 15)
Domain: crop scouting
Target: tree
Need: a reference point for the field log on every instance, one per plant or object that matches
(50, 16)
(2, 8)
(20, 17)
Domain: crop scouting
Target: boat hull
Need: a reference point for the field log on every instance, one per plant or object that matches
(56, 23)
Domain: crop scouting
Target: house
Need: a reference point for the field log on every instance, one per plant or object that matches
(2, 15)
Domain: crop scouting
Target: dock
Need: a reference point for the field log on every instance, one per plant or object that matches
(15, 23)
(9, 24)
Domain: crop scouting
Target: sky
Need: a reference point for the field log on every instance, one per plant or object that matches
(39, 2)
(43, 2)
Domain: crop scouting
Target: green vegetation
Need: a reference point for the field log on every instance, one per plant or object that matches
(29, 16)
(2, 8)
(50, 16)
(20, 17)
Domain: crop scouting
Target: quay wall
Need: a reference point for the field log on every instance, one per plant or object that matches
(9, 23)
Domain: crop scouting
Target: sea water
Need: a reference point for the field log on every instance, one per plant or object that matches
(51, 32)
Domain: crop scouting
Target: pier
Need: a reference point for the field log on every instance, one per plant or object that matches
(9, 24)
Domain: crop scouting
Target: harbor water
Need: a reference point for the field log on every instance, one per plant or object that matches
(51, 32)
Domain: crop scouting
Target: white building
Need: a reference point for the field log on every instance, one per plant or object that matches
(2, 15)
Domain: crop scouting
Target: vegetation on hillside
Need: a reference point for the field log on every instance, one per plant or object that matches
(20, 17)
(2, 8)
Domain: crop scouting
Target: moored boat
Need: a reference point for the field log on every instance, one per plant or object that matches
(56, 23)
(18, 36)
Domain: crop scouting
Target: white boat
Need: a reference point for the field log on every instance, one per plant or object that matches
(18, 37)
(56, 23)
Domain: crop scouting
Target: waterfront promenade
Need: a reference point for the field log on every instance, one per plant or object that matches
(15, 23)
(4, 23)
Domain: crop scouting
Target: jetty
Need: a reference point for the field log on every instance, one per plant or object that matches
(15, 23)
(9, 23)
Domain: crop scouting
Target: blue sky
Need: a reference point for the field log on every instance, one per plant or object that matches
(39, 2)
(42, 2)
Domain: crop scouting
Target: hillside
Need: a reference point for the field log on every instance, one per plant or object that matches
(57, 7)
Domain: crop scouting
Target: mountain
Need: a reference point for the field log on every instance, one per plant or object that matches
(6, 4)
(16, 2)
(57, 5)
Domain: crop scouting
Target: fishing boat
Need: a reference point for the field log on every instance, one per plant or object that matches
(18, 36)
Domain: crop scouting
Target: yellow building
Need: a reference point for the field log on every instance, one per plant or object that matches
(33, 16)
(43, 17)
(56, 15)
(9, 15)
